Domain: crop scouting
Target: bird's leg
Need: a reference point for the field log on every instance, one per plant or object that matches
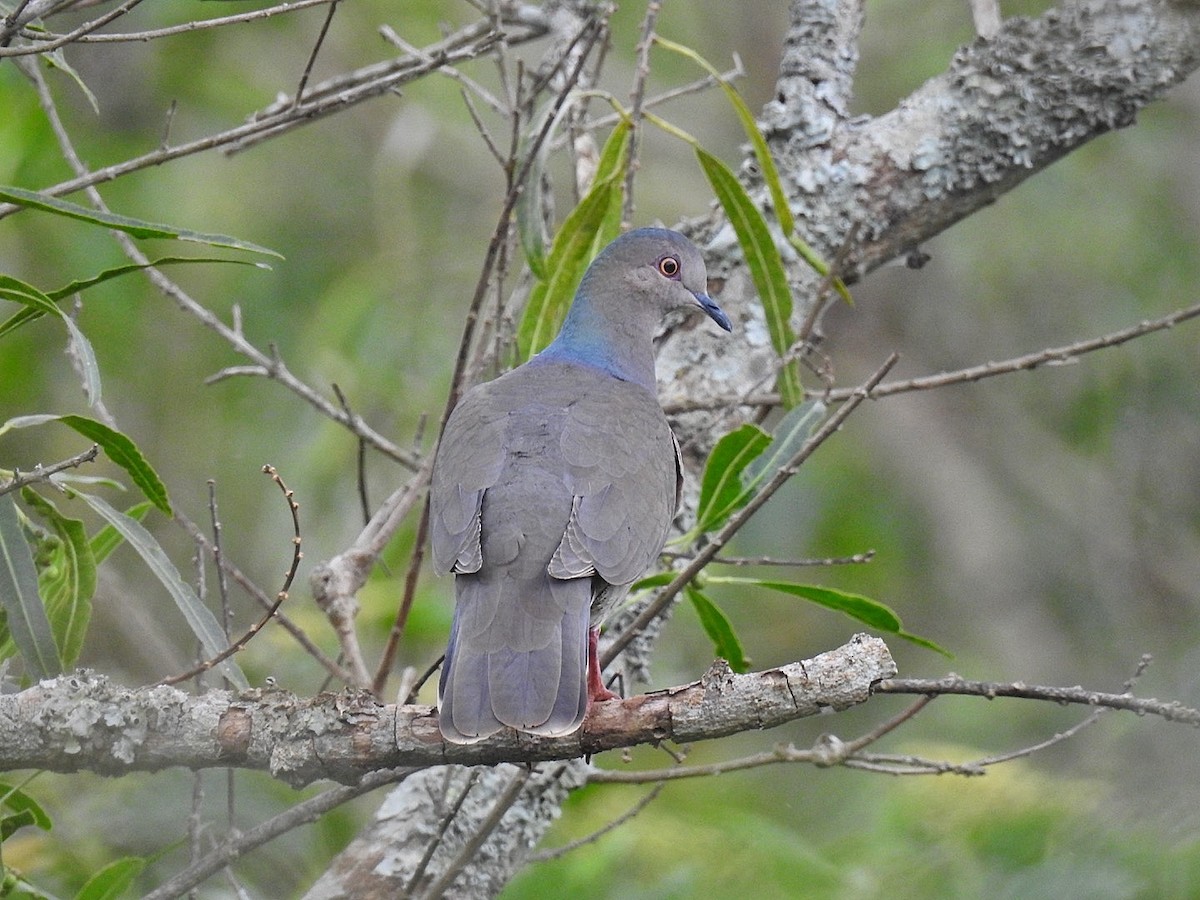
(597, 692)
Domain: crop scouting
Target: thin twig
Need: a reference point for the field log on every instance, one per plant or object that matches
(41, 473)
(442, 883)
(43, 38)
(85, 28)
(303, 813)
(389, 34)
(1172, 711)
(855, 559)
(1051, 356)
(637, 98)
(240, 644)
(436, 840)
(556, 852)
(278, 119)
(260, 597)
(312, 57)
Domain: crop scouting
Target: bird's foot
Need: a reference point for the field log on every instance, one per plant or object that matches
(597, 692)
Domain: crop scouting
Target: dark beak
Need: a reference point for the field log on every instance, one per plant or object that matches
(714, 312)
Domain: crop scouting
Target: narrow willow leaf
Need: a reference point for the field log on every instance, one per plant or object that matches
(36, 304)
(108, 539)
(125, 454)
(137, 228)
(85, 357)
(66, 577)
(612, 167)
(24, 613)
(766, 163)
(764, 263)
(869, 612)
(719, 630)
(569, 258)
(58, 60)
(113, 881)
(658, 579)
(15, 799)
(790, 434)
(818, 265)
(202, 622)
(120, 449)
(721, 489)
(531, 229)
(28, 314)
(27, 295)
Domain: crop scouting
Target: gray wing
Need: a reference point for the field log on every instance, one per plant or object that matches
(469, 460)
(623, 467)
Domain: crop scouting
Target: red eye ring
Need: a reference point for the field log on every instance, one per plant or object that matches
(669, 266)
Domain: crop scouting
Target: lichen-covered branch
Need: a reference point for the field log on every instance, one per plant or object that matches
(85, 722)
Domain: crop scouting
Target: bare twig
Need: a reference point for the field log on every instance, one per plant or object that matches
(240, 644)
(1051, 356)
(435, 841)
(239, 844)
(855, 559)
(86, 28)
(41, 473)
(637, 98)
(312, 57)
(446, 878)
(1172, 711)
(556, 852)
(42, 39)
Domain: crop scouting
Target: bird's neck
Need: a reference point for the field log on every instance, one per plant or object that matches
(623, 347)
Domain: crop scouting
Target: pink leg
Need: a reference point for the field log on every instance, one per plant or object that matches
(597, 692)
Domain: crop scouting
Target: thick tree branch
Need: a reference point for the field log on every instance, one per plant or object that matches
(85, 722)
(1004, 109)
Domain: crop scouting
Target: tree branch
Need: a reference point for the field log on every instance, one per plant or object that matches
(85, 722)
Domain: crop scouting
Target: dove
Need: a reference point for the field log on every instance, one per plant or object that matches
(553, 490)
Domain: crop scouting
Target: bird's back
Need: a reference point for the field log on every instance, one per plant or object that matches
(555, 486)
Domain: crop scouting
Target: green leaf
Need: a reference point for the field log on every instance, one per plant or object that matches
(796, 427)
(766, 163)
(25, 614)
(108, 539)
(658, 579)
(113, 881)
(125, 454)
(720, 630)
(818, 265)
(17, 800)
(764, 263)
(120, 449)
(569, 258)
(66, 577)
(19, 318)
(137, 228)
(869, 612)
(58, 60)
(37, 304)
(721, 489)
(203, 623)
(612, 166)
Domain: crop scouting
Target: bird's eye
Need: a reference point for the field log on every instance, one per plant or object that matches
(669, 266)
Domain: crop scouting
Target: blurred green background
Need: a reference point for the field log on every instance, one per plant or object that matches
(1045, 527)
